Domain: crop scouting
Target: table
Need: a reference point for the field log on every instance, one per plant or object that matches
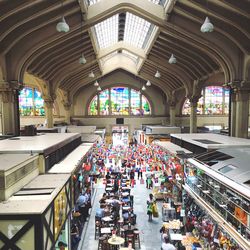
(126, 228)
(125, 194)
(109, 189)
(106, 230)
(116, 241)
(126, 208)
(126, 248)
(126, 188)
(178, 237)
(107, 219)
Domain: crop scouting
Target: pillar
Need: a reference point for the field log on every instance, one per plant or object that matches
(172, 115)
(233, 114)
(67, 107)
(9, 105)
(49, 103)
(193, 116)
(242, 113)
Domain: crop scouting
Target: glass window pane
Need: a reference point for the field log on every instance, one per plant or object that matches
(226, 104)
(93, 109)
(213, 100)
(104, 102)
(135, 102)
(119, 101)
(146, 109)
(26, 102)
(39, 103)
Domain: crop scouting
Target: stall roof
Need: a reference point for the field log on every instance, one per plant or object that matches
(71, 161)
(36, 196)
(37, 144)
(8, 162)
(172, 148)
(212, 141)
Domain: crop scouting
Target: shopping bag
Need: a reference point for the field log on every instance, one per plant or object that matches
(155, 211)
(142, 181)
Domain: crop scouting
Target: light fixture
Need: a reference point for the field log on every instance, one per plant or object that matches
(157, 74)
(148, 83)
(172, 59)
(62, 26)
(143, 88)
(91, 74)
(99, 88)
(96, 84)
(82, 59)
(207, 26)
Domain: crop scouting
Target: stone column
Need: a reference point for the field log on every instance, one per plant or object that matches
(242, 113)
(193, 116)
(67, 107)
(49, 103)
(172, 115)
(10, 120)
(233, 114)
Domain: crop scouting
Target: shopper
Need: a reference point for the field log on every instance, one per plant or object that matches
(167, 245)
(150, 203)
(164, 233)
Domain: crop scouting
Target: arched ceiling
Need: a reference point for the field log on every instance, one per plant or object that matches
(29, 40)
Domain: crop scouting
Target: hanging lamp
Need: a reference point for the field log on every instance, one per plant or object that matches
(96, 84)
(207, 26)
(172, 59)
(82, 59)
(62, 26)
(91, 74)
(143, 88)
(157, 75)
(148, 83)
(99, 88)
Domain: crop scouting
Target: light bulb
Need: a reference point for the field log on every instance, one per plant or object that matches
(157, 74)
(62, 26)
(207, 26)
(99, 88)
(96, 84)
(172, 59)
(82, 59)
(143, 88)
(148, 83)
(91, 74)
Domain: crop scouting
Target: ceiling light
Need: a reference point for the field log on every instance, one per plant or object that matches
(82, 59)
(91, 74)
(157, 74)
(62, 26)
(148, 83)
(96, 84)
(207, 26)
(172, 59)
(99, 88)
(143, 88)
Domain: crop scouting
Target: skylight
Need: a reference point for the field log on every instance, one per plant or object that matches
(107, 32)
(136, 30)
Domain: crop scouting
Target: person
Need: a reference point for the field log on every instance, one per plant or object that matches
(139, 172)
(167, 245)
(150, 202)
(164, 233)
(75, 237)
(62, 245)
(103, 199)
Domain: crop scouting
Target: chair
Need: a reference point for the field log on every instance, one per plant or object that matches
(103, 243)
(137, 238)
(97, 228)
(130, 238)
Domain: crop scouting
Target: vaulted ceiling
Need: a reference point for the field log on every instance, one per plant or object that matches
(104, 31)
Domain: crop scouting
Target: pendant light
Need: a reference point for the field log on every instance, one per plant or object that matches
(157, 74)
(207, 26)
(62, 26)
(91, 74)
(99, 88)
(148, 83)
(172, 59)
(82, 59)
(96, 84)
(143, 88)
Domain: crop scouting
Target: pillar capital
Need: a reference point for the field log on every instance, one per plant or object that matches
(8, 90)
(193, 99)
(67, 105)
(48, 101)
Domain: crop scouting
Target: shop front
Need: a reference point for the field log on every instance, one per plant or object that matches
(38, 216)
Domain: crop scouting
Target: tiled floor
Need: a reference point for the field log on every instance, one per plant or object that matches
(150, 235)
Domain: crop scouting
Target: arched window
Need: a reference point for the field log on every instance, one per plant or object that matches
(119, 101)
(31, 102)
(214, 101)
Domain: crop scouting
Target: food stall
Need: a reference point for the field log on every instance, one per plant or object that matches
(38, 215)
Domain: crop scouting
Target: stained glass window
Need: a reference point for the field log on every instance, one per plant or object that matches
(104, 102)
(93, 107)
(135, 102)
(119, 101)
(31, 102)
(216, 101)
